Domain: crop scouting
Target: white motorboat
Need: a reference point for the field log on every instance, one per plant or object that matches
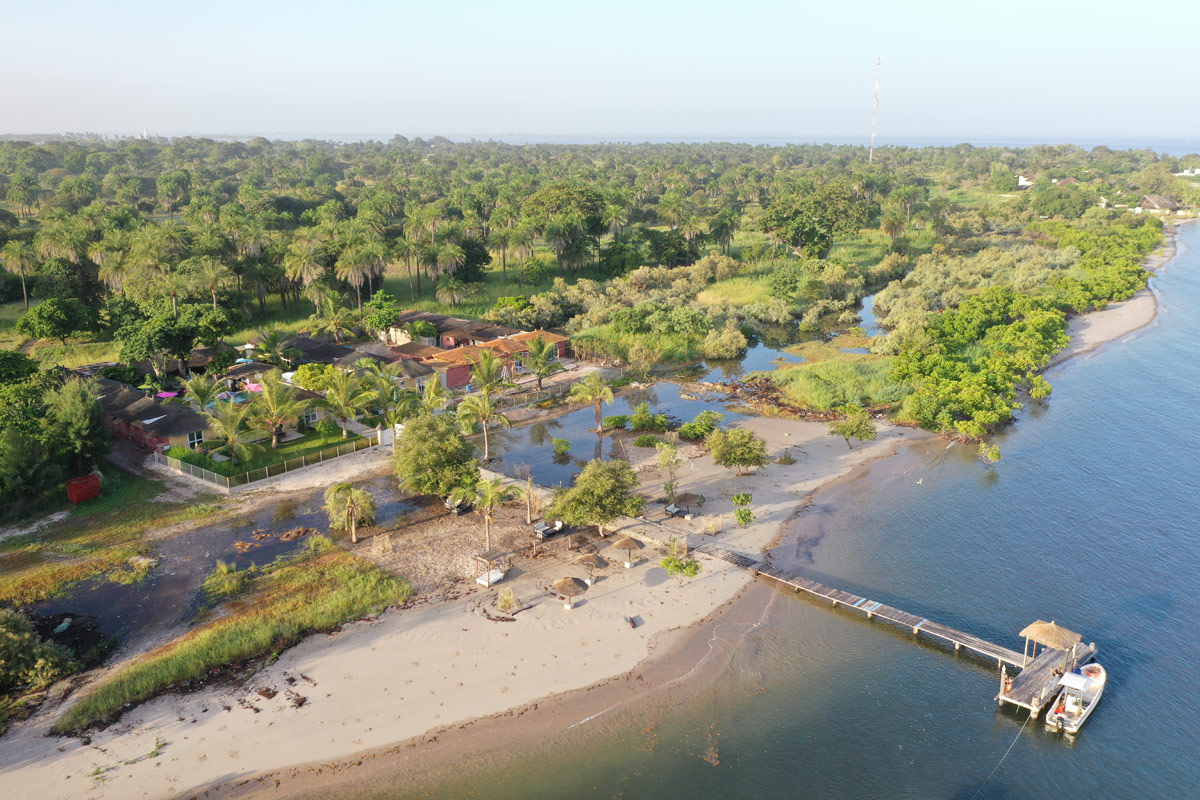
(1077, 699)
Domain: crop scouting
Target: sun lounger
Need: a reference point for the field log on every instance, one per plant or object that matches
(457, 508)
(544, 530)
(491, 579)
(674, 510)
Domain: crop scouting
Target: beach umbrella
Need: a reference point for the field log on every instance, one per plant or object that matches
(593, 562)
(570, 588)
(1049, 634)
(165, 395)
(628, 544)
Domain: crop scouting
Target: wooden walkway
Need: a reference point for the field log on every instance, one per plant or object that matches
(872, 608)
(1037, 684)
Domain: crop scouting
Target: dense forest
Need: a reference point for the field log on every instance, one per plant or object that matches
(138, 251)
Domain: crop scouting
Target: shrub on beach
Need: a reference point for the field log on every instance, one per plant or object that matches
(646, 440)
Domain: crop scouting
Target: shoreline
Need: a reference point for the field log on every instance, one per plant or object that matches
(206, 731)
(1095, 329)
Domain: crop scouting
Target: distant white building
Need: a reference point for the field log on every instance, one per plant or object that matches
(1023, 182)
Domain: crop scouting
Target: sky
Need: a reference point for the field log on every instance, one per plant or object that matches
(620, 70)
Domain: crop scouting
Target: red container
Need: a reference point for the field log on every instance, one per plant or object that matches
(84, 488)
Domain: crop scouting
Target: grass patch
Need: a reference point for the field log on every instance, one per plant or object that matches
(104, 537)
(827, 384)
(318, 589)
(307, 444)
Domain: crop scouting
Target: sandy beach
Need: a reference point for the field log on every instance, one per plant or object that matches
(413, 671)
(1090, 331)
(417, 685)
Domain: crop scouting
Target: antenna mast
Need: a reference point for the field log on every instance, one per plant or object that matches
(875, 110)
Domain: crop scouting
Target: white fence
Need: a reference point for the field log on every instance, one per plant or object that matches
(228, 483)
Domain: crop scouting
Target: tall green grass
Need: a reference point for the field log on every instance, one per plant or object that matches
(825, 385)
(317, 590)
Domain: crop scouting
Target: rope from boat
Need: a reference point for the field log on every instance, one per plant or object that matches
(1001, 761)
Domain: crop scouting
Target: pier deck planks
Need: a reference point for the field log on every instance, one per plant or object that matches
(869, 607)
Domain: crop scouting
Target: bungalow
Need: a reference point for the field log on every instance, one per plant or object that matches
(1157, 204)
(549, 336)
(416, 351)
(452, 332)
(149, 422)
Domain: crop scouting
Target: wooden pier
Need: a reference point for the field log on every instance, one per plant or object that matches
(1032, 688)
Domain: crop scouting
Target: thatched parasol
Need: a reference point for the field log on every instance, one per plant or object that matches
(628, 544)
(1051, 635)
(1048, 634)
(570, 588)
(593, 562)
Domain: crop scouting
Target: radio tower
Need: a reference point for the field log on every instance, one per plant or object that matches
(874, 111)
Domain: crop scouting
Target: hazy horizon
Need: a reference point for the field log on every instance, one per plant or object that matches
(767, 70)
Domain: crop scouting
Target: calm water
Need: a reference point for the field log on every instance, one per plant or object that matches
(171, 594)
(1090, 519)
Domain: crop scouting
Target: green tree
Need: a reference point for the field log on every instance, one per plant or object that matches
(669, 460)
(202, 389)
(681, 569)
(333, 319)
(346, 396)
(737, 448)
(808, 222)
(433, 457)
(57, 318)
(380, 312)
(856, 423)
(487, 371)
(275, 406)
(595, 390)
(451, 291)
(15, 366)
(348, 508)
(20, 259)
(434, 396)
(480, 410)
(487, 496)
(27, 475)
(228, 426)
(601, 493)
(76, 431)
(272, 346)
(542, 359)
(314, 377)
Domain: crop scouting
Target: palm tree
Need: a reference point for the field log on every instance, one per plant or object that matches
(541, 359)
(488, 371)
(434, 396)
(345, 397)
(20, 258)
(593, 389)
(521, 243)
(478, 409)
(892, 225)
(498, 246)
(209, 273)
(451, 291)
(272, 347)
(276, 405)
(228, 424)
(670, 209)
(333, 319)
(616, 217)
(488, 495)
(348, 508)
(690, 227)
(450, 256)
(201, 390)
(305, 260)
(355, 266)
